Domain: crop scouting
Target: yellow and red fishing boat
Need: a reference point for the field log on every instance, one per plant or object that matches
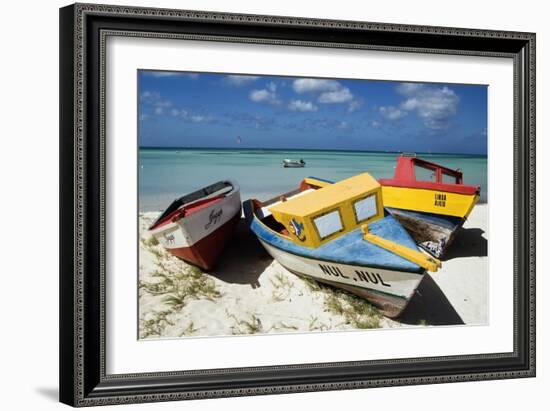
(431, 201)
(339, 234)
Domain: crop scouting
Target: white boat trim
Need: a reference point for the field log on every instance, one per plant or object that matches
(189, 230)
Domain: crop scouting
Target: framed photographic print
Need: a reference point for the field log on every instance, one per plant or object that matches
(262, 204)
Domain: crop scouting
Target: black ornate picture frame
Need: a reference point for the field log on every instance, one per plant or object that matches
(83, 31)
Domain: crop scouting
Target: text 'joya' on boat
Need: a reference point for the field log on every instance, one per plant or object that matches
(340, 234)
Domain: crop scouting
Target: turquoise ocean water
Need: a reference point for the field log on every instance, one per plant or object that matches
(168, 173)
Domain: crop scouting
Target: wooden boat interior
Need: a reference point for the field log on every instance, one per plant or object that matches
(195, 201)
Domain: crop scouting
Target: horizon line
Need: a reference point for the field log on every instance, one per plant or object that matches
(306, 149)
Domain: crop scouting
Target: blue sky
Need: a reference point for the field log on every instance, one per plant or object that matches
(179, 109)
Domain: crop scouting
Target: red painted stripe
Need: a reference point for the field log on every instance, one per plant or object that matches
(187, 210)
(405, 176)
(199, 205)
(427, 185)
(205, 252)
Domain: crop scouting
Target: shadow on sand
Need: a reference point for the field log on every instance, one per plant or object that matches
(430, 305)
(469, 242)
(243, 260)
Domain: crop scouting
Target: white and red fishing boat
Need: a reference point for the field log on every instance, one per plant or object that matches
(197, 226)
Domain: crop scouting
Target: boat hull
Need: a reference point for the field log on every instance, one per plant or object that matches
(200, 238)
(432, 217)
(433, 233)
(434, 201)
(293, 163)
(389, 290)
(205, 252)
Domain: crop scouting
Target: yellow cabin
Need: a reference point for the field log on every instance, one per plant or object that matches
(318, 216)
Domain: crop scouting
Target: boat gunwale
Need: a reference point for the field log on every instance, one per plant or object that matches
(235, 189)
(463, 189)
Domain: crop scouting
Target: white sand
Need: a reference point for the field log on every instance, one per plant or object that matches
(251, 293)
(463, 278)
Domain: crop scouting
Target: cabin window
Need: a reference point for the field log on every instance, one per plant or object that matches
(448, 178)
(328, 224)
(365, 208)
(424, 173)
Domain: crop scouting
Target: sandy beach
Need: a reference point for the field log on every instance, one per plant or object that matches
(250, 293)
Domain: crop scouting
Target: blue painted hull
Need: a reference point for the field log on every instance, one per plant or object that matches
(350, 248)
(349, 262)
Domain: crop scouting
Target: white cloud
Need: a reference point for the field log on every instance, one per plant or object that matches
(197, 118)
(354, 105)
(160, 74)
(154, 99)
(266, 95)
(149, 96)
(260, 95)
(236, 80)
(342, 125)
(342, 95)
(307, 85)
(190, 117)
(327, 92)
(409, 88)
(434, 106)
(391, 112)
(162, 107)
(300, 105)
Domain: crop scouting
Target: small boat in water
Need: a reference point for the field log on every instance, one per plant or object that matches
(339, 234)
(431, 201)
(288, 163)
(197, 226)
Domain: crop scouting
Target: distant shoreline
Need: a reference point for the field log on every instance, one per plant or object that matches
(308, 150)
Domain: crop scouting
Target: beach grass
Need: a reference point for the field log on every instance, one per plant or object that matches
(154, 324)
(282, 287)
(150, 241)
(355, 311)
(250, 325)
(175, 283)
(316, 325)
(189, 330)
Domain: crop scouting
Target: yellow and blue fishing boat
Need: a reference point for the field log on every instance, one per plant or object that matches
(430, 200)
(339, 234)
